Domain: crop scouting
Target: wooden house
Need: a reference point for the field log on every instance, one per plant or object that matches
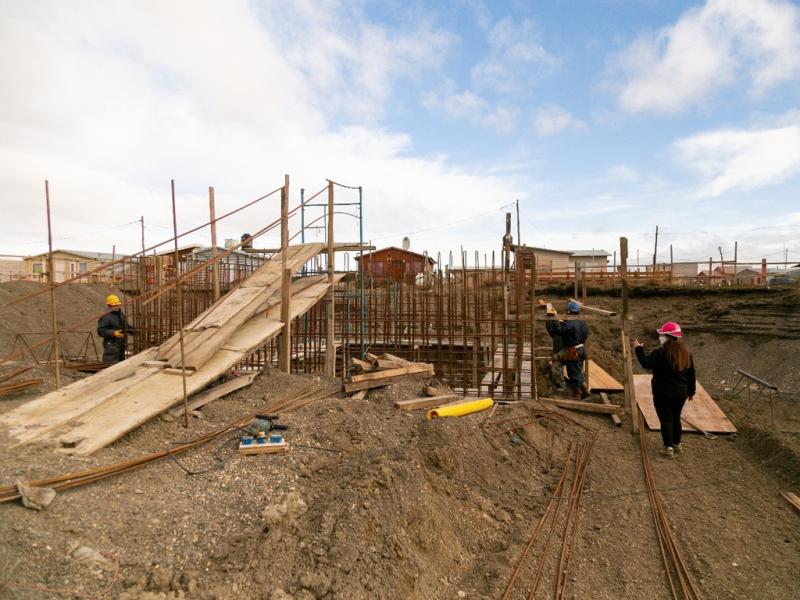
(546, 258)
(595, 260)
(397, 264)
(67, 264)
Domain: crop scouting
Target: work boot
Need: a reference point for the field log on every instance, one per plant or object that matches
(584, 391)
(678, 449)
(669, 452)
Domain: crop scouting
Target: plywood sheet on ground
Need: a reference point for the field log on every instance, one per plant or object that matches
(601, 381)
(702, 411)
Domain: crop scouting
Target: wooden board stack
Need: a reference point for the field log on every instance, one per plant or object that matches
(378, 371)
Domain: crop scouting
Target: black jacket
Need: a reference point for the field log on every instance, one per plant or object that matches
(666, 382)
(110, 322)
(573, 332)
(553, 327)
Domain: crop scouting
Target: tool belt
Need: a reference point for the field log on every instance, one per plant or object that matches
(570, 353)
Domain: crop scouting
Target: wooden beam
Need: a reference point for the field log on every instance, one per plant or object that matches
(217, 391)
(427, 402)
(330, 348)
(792, 499)
(359, 395)
(602, 311)
(584, 406)
(411, 369)
(617, 421)
(284, 352)
(388, 377)
(363, 365)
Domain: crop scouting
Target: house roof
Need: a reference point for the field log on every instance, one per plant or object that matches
(537, 249)
(100, 256)
(396, 249)
(589, 253)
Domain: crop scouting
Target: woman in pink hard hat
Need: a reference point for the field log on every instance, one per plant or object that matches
(673, 381)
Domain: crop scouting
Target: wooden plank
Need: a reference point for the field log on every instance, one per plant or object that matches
(601, 311)
(373, 383)
(134, 405)
(702, 411)
(188, 370)
(392, 357)
(159, 364)
(617, 421)
(426, 402)
(359, 395)
(416, 368)
(362, 365)
(217, 391)
(601, 381)
(584, 406)
(384, 365)
(792, 499)
(435, 391)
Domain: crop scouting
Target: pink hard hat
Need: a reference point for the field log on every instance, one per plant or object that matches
(670, 328)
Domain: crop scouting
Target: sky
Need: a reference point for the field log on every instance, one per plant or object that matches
(602, 118)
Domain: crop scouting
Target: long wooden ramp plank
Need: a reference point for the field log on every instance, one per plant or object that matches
(702, 411)
(114, 419)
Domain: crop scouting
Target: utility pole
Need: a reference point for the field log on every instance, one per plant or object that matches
(655, 250)
(735, 261)
(519, 237)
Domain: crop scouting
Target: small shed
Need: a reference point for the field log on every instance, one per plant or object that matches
(396, 263)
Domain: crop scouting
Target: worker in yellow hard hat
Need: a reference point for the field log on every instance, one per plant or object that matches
(113, 327)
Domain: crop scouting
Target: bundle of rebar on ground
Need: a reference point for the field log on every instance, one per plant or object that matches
(674, 565)
(287, 403)
(569, 490)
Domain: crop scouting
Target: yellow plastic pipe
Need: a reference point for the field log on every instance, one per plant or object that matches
(459, 409)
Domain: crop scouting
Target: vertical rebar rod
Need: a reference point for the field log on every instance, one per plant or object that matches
(52, 278)
(178, 286)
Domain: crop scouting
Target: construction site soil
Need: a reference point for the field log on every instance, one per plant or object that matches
(372, 502)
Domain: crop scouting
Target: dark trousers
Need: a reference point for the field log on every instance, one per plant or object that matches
(575, 373)
(113, 350)
(669, 416)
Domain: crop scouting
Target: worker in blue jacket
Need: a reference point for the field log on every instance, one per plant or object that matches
(574, 334)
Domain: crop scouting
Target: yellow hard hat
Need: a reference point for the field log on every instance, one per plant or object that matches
(113, 300)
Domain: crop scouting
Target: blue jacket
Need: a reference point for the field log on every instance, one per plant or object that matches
(574, 332)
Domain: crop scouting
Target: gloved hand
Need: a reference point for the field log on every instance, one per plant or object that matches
(118, 333)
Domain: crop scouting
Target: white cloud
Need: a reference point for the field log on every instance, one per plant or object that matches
(516, 58)
(551, 119)
(743, 159)
(708, 49)
(472, 107)
(111, 101)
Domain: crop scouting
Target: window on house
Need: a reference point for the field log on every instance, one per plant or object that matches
(37, 267)
(83, 267)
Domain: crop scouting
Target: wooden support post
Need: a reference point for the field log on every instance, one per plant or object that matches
(52, 280)
(630, 392)
(178, 288)
(330, 349)
(215, 265)
(655, 251)
(577, 289)
(284, 354)
(671, 265)
(764, 271)
(583, 285)
(735, 261)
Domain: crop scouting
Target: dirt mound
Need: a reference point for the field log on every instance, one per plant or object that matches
(32, 320)
(405, 507)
